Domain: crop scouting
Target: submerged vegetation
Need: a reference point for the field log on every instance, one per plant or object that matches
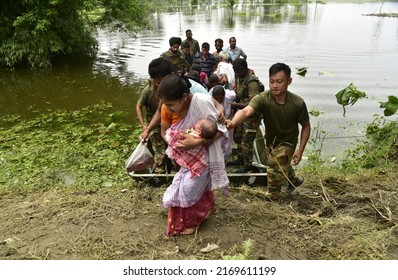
(83, 149)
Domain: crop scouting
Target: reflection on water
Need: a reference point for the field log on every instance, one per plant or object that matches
(68, 85)
(335, 39)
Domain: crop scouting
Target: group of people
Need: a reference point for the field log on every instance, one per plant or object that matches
(194, 115)
(188, 55)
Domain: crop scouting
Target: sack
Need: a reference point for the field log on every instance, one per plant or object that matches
(140, 159)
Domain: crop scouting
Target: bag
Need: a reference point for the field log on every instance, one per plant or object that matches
(253, 77)
(261, 86)
(140, 159)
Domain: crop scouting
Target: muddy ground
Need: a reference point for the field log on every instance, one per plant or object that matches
(326, 218)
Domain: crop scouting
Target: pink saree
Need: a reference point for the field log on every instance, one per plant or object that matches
(189, 198)
(179, 219)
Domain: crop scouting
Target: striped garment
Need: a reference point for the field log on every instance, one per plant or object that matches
(194, 159)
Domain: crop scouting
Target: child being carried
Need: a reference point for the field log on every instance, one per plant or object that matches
(194, 158)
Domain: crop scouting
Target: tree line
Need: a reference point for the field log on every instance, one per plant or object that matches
(33, 32)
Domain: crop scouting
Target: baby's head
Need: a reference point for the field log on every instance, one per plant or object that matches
(206, 128)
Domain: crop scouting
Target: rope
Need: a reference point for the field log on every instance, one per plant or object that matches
(280, 168)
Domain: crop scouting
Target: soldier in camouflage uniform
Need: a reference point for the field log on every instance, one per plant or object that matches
(193, 44)
(150, 102)
(158, 68)
(282, 111)
(247, 86)
(176, 56)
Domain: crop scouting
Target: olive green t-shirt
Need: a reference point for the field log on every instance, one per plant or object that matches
(281, 120)
(149, 100)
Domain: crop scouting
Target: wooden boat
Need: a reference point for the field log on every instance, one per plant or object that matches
(251, 178)
(258, 177)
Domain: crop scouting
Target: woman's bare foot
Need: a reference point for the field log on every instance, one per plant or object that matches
(189, 231)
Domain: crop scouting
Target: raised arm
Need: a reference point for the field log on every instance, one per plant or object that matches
(240, 117)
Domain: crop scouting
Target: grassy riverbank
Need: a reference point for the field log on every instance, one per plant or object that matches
(64, 194)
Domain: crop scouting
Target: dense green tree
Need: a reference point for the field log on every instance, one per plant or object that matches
(32, 32)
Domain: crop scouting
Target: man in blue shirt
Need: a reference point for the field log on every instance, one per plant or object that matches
(234, 51)
(206, 59)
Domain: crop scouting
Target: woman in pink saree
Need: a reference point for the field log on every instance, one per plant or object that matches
(191, 199)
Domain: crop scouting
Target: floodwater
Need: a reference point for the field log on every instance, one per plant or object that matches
(337, 43)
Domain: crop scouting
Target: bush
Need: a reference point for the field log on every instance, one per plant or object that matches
(380, 145)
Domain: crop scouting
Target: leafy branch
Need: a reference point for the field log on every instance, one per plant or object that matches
(349, 96)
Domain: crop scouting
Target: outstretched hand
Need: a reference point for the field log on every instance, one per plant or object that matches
(229, 124)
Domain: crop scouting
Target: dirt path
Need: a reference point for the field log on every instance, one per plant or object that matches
(332, 219)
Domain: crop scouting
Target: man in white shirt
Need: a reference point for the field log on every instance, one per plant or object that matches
(225, 71)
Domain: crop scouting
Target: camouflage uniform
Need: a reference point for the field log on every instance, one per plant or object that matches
(156, 143)
(193, 45)
(177, 60)
(281, 122)
(245, 134)
(280, 168)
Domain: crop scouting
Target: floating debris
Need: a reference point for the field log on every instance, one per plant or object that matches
(302, 71)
